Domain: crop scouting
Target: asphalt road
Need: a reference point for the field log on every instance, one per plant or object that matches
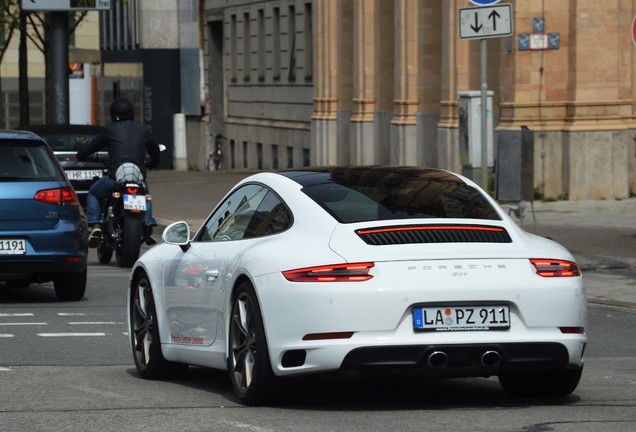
(88, 381)
(68, 367)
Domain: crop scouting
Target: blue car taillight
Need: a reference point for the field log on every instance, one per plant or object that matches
(57, 196)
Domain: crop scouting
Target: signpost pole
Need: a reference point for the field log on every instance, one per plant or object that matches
(484, 115)
(483, 22)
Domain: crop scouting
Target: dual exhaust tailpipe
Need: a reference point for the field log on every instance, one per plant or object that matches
(439, 359)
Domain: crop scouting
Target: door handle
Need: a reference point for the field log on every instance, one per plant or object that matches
(211, 274)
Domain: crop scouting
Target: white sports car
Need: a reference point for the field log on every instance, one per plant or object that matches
(359, 268)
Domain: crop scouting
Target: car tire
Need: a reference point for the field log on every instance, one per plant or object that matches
(104, 252)
(559, 383)
(132, 237)
(144, 332)
(18, 283)
(70, 286)
(248, 360)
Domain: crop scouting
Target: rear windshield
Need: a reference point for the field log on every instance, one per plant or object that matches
(28, 161)
(400, 197)
(67, 142)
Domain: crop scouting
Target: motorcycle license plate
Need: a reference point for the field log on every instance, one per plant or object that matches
(135, 202)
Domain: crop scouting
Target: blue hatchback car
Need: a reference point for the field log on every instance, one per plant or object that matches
(43, 229)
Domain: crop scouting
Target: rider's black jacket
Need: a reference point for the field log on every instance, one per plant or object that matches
(126, 141)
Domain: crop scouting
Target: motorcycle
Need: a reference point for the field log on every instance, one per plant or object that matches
(123, 227)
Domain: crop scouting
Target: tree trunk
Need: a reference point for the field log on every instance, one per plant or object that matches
(23, 72)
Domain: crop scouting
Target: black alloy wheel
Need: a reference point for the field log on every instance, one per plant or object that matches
(144, 331)
(249, 365)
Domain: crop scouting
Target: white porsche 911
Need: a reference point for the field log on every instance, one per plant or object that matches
(359, 268)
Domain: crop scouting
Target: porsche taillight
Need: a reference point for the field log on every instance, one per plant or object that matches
(356, 272)
(555, 268)
(57, 196)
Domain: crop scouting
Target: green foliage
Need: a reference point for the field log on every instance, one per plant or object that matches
(82, 141)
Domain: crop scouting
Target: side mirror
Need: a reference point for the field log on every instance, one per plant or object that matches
(177, 233)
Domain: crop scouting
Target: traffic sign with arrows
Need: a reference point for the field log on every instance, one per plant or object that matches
(485, 22)
(65, 5)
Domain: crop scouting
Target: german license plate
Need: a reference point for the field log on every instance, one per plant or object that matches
(12, 247)
(461, 318)
(83, 174)
(135, 202)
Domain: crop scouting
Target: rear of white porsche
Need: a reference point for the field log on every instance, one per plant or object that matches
(460, 299)
(437, 295)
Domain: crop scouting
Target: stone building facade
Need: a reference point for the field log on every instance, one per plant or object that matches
(377, 81)
(291, 83)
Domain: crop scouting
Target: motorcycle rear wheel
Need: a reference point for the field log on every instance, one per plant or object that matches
(131, 238)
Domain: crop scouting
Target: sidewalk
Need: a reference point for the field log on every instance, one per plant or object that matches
(600, 234)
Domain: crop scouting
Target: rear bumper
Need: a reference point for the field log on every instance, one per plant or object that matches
(480, 358)
(446, 360)
(41, 269)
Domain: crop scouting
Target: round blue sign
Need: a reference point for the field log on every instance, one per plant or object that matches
(484, 2)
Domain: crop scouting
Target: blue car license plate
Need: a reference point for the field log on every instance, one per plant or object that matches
(461, 318)
(12, 247)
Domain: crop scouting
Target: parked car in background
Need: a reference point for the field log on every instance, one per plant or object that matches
(66, 140)
(43, 228)
(377, 269)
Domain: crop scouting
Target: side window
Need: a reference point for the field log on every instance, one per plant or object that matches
(251, 211)
(271, 217)
(230, 221)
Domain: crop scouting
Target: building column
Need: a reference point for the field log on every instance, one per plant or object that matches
(364, 82)
(405, 104)
(324, 119)
(598, 121)
(447, 133)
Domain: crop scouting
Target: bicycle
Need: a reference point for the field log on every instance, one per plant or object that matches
(216, 156)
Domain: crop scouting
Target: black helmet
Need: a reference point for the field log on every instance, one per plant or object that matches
(121, 109)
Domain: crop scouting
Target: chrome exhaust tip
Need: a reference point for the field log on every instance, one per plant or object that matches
(490, 359)
(437, 360)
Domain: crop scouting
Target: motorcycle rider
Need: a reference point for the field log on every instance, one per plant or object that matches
(127, 141)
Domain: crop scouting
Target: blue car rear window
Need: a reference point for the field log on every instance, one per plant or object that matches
(28, 161)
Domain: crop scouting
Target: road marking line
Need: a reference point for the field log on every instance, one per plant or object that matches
(15, 314)
(6, 335)
(70, 334)
(71, 314)
(23, 324)
(4, 369)
(95, 323)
